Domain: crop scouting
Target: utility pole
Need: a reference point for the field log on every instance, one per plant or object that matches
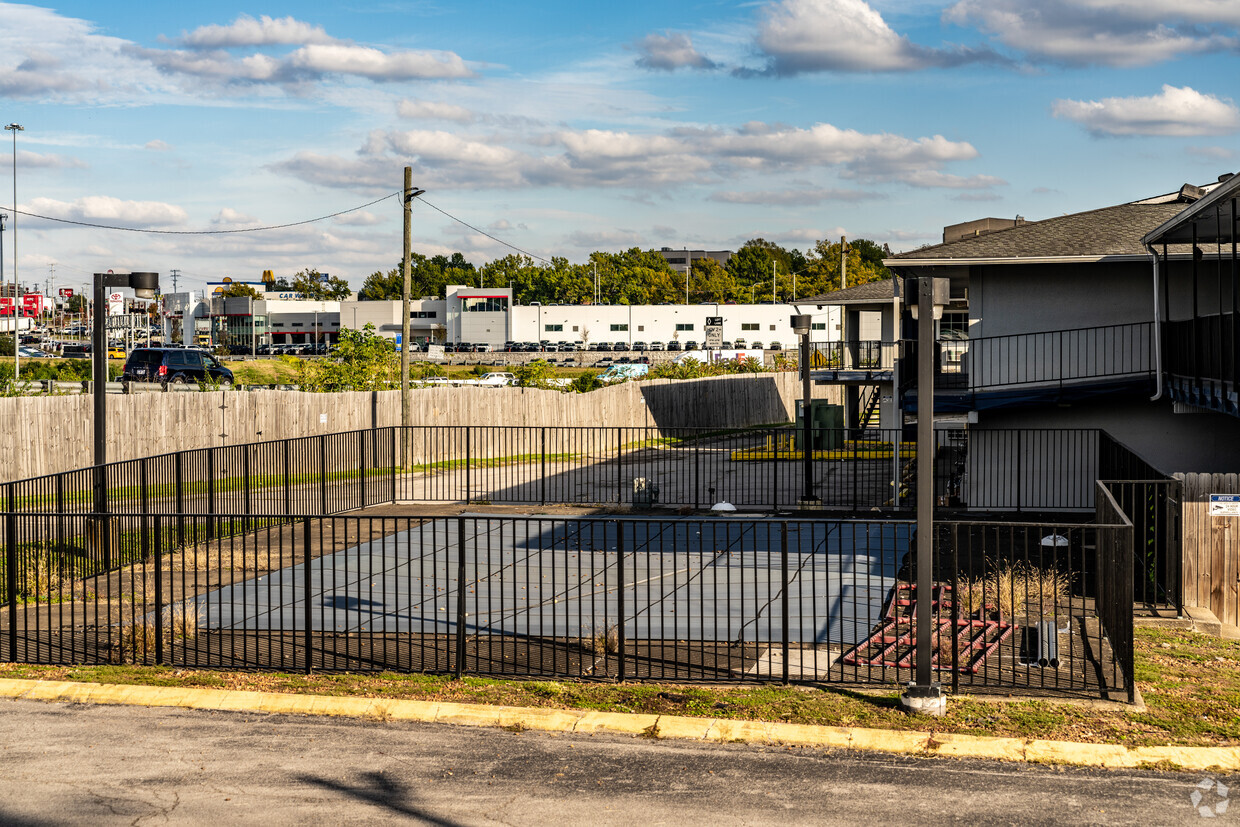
(773, 299)
(175, 275)
(404, 314)
(406, 262)
(843, 262)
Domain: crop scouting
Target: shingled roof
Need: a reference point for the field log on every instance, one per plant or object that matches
(1110, 231)
(868, 293)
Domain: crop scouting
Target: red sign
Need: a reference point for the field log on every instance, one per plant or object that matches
(66, 292)
(32, 305)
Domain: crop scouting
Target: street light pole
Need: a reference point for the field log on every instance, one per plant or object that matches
(15, 128)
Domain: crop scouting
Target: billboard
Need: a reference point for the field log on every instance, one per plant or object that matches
(66, 292)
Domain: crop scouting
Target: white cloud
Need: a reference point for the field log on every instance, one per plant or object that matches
(612, 158)
(1212, 153)
(358, 219)
(228, 218)
(35, 160)
(363, 61)
(246, 31)
(433, 110)
(1104, 32)
(1175, 111)
(104, 209)
(604, 239)
(798, 36)
(792, 197)
(157, 146)
(669, 52)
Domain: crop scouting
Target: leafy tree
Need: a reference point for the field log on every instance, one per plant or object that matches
(585, 383)
(535, 374)
(312, 284)
(77, 303)
(361, 360)
(237, 290)
(380, 286)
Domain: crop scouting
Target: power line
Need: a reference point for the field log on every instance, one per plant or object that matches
(207, 232)
(482, 232)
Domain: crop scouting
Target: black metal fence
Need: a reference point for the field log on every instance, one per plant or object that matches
(855, 470)
(684, 599)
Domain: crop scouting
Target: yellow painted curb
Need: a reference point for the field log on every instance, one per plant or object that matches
(674, 727)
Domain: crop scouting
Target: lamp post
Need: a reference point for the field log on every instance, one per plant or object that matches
(145, 286)
(15, 128)
(801, 325)
(924, 695)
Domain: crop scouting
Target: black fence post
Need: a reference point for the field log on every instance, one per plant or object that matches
(620, 635)
(210, 494)
(397, 460)
(697, 474)
(469, 461)
(180, 498)
(361, 469)
(783, 575)
(460, 597)
(160, 654)
(542, 452)
(774, 470)
(10, 570)
(323, 474)
(245, 487)
(288, 480)
(619, 469)
(308, 626)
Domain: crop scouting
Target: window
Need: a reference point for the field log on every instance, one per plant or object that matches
(640, 328)
(423, 314)
(676, 260)
(622, 328)
(749, 326)
(553, 328)
(688, 326)
(299, 324)
(817, 325)
(574, 328)
(772, 327)
(954, 324)
(484, 304)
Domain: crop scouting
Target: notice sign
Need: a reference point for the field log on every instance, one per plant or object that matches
(435, 352)
(1225, 505)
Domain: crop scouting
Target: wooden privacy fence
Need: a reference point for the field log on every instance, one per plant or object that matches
(51, 434)
(1211, 547)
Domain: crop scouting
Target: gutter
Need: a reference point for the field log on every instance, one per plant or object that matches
(1158, 373)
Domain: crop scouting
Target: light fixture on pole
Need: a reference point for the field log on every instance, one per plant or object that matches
(15, 128)
(145, 286)
(801, 325)
(924, 694)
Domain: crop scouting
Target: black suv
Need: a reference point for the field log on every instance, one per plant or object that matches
(175, 365)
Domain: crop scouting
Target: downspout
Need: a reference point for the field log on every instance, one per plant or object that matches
(1158, 373)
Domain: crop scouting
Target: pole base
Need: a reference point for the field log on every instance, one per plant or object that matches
(924, 700)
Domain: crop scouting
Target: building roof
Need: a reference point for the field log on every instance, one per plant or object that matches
(869, 293)
(1109, 232)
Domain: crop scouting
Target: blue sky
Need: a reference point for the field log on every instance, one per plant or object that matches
(565, 127)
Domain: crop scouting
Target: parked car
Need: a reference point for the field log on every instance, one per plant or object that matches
(174, 366)
(757, 345)
(674, 344)
(640, 347)
(775, 346)
(691, 345)
(116, 352)
(656, 346)
(31, 353)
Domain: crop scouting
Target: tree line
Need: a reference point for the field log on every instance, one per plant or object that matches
(637, 276)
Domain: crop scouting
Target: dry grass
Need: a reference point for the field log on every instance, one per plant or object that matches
(41, 580)
(605, 639)
(1007, 589)
(180, 625)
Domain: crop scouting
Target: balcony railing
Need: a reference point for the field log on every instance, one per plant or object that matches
(1203, 348)
(864, 355)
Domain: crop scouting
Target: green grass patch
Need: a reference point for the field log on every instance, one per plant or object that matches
(1190, 683)
(492, 462)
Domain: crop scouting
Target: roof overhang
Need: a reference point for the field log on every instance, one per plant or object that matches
(1214, 216)
(895, 263)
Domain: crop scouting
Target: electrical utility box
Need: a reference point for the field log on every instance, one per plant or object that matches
(826, 422)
